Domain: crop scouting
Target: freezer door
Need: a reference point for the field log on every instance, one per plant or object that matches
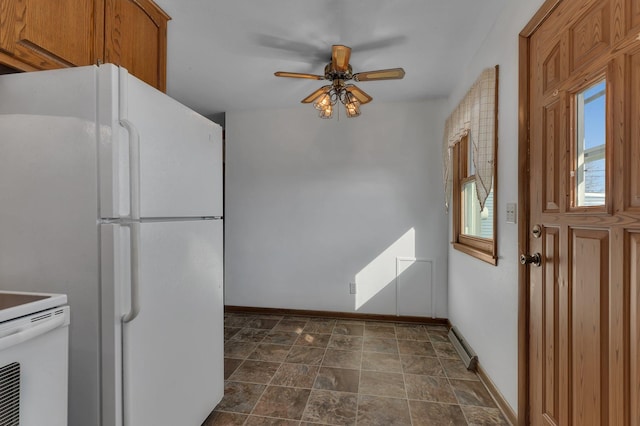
(180, 154)
(173, 350)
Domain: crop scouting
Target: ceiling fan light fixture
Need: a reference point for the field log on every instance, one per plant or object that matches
(352, 105)
(326, 112)
(323, 102)
(338, 72)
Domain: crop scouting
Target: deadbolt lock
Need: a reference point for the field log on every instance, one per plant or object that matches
(536, 231)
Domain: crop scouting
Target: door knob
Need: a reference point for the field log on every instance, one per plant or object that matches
(534, 259)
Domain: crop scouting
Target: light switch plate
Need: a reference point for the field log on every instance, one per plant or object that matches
(512, 212)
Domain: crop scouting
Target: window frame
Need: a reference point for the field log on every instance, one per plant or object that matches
(484, 249)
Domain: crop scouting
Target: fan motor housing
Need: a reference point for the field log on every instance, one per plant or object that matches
(331, 74)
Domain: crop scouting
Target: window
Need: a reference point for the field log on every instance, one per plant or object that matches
(473, 226)
(589, 162)
(469, 168)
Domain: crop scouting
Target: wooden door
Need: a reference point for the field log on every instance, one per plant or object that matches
(136, 38)
(583, 315)
(46, 34)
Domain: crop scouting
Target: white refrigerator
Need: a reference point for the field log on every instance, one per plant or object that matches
(111, 193)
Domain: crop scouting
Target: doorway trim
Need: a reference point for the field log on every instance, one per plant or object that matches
(523, 200)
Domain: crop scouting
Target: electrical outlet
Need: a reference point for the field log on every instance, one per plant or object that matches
(512, 209)
(352, 288)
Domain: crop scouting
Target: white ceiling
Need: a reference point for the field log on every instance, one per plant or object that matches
(222, 54)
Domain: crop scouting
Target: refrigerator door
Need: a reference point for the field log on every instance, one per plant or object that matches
(173, 349)
(180, 153)
(48, 234)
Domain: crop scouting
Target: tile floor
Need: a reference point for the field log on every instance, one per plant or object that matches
(288, 370)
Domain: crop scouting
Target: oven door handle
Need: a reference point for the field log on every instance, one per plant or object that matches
(32, 332)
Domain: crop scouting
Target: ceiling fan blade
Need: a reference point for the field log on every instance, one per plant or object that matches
(340, 56)
(315, 95)
(360, 95)
(298, 75)
(390, 74)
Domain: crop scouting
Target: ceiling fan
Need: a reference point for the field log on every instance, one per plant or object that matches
(338, 72)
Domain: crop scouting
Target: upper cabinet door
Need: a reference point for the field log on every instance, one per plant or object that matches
(136, 38)
(45, 34)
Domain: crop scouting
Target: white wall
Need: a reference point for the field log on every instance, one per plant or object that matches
(483, 299)
(314, 204)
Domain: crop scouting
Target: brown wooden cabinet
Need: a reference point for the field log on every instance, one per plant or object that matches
(45, 34)
(136, 38)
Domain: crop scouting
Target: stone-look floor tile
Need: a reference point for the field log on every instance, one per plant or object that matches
(295, 318)
(337, 362)
(379, 323)
(445, 350)
(282, 402)
(237, 320)
(350, 321)
(316, 325)
(439, 336)
(255, 372)
(412, 332)
(240, 397)
(455, 369)
(413, 347)
(254, 335)
(428, 366)
(334, 408)
(230, 365)
(229, 332)
(374, 344)
(426, 413)
(313, 339)
(281, 337)
(305, 355)
(264, 323)
(219, 418)
(269, 352)
(484, 416)
(295, 375)
(291, 325)
(337, 379)
(429, 388)
(472, 393)
(269, 421)
(342, 359)
(379, 361)
(349, 329)
(346, 343)
(235, 349)
(382, 384)
(378, 411)
(380, 331)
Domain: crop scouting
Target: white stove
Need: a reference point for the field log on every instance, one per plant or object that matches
(34, 358)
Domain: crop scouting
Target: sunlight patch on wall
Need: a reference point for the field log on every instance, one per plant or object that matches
(381, 271)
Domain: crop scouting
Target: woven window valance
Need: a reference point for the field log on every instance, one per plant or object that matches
(474, 117)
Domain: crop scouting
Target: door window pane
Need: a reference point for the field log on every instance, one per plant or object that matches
(590, 161)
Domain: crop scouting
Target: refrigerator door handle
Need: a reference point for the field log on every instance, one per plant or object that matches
(134, 168)
(134, 288)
